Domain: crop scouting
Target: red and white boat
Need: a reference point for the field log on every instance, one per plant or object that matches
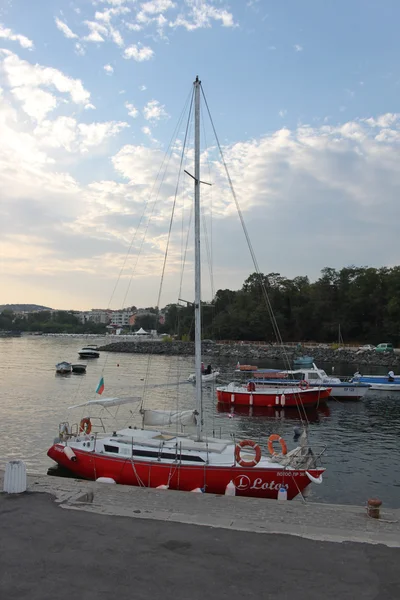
(160, 458)
(252, 394)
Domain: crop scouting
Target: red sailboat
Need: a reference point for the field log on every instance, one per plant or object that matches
(153, 456)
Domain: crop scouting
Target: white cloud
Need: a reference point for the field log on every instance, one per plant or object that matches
(154, 111)
(108, 69)
(109, 13)
(298, 48)
(157, 6)
(146, 130)
(283, 112)
(202, 14)
(8, 34)
(138, 53)
(63, 27)
(35, 102)
(142, 88)
(90, 106)
(74, 137)
(97, 31)
(21, 73)
(132, 111)
(79, 49)
(134, 26)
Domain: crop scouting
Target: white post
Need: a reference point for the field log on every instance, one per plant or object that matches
(197, 260)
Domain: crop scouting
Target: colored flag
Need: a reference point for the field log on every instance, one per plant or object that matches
(100, 387)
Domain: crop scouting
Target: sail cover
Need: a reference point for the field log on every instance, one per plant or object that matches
(108, 402)
(169, 417)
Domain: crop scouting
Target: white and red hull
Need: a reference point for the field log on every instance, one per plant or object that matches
(254, 482)
(240, 396)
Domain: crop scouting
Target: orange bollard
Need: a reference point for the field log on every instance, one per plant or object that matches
(373, 507)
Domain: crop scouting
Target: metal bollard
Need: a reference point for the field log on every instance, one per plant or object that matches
(15, 477)
(373, 507)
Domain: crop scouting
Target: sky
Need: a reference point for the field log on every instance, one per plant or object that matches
(304, 96)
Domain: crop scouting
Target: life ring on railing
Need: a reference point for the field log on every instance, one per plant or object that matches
(85, 426)
(304, 385)
(251, 386)
(276, 438)
(248, 444)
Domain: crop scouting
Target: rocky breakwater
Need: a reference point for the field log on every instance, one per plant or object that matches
(255, 352)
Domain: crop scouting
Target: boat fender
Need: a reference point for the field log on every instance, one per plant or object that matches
(247, 444)
(230, 489)
(105, 480)
(69, 453)
(317, 480)
(276, 438)
(304, 385)
(85, 426)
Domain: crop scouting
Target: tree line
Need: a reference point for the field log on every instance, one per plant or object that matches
(363, 301)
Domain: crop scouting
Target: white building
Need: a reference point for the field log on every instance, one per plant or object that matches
(120, 318)
(95, 316)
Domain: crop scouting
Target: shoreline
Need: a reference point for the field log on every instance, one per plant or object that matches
(249, 352)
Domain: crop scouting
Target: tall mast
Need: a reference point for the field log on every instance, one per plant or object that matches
(197, 260)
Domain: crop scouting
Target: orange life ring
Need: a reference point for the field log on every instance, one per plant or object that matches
(85, 426)
(276, 438)
(304, 385)
(244, 444)
(251, 386)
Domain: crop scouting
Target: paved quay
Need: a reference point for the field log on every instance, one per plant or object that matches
(325, 522)
(49, 553)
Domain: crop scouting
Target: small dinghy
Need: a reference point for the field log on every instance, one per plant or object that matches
(63, 367)
(78, 368)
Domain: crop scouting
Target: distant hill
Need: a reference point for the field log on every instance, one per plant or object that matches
(23, 307)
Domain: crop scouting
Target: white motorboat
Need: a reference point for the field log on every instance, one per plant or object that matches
(89, 352)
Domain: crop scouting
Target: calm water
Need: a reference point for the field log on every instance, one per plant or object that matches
(362, 438)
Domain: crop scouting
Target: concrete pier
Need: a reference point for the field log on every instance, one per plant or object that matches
(67, 536)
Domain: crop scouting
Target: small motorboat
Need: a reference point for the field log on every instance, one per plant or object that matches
(303, 361)
(78, 368)
(63, 367)
(89, 352)
(311, 378)
(384, 383)
(205, 377)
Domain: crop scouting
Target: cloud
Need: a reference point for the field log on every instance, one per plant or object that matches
(146, 130)
(132, 111)
(201, 14)
(22, 74)
(157, 6)
(154, 111)
(97, 32)
(79, 49)
(108, 69)
(283, 112)
(108, 14)
(63, 27)
(142, 88)
(35, 102)
(8, 34)
(138, 53)
(298, 48)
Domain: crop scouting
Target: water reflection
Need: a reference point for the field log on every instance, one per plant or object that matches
(291, 413)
